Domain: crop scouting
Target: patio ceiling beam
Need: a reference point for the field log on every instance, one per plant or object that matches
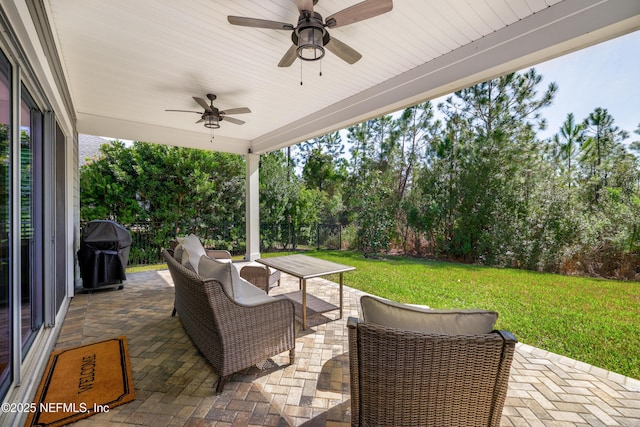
(117, 128)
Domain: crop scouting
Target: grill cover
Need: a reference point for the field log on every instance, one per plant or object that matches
(103, 254)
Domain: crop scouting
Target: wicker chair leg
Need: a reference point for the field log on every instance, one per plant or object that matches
(220, 384)
(173, 313)
(292, 356)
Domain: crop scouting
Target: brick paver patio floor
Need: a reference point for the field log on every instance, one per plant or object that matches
(173, 382)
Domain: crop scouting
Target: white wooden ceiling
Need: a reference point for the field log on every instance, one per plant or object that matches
(126, 61)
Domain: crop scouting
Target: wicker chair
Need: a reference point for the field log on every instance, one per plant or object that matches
(260, 276)
(407, 378)
(231, 336)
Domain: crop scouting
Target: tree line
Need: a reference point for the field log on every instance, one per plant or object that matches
(466, 180)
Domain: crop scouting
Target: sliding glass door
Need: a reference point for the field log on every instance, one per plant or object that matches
(31, 218)
(5, 228)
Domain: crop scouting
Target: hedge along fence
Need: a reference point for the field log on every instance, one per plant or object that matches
(148, 238)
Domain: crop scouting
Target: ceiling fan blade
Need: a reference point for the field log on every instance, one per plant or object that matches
(289, 57)
(200, 121)
(343, 51)
(186, 111)
(231, 120)
(304, 5)
(241, 110)
(258, 23)
(202, 103)
(359, 12)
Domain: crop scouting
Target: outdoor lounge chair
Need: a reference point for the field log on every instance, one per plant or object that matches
(402, 377)
(261, 276)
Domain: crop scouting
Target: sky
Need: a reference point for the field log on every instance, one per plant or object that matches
(605, 75)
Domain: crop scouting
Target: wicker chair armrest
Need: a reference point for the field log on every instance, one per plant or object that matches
(259, 276)
(502, 377)
(254, 274)
(354, 373)
(507, 336)
(352, 322)
(274, 276)
(218, 253)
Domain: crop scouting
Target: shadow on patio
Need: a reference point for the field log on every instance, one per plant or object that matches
(174, 383)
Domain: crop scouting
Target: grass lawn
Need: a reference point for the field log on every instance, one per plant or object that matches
(150, 267)
(595, 321)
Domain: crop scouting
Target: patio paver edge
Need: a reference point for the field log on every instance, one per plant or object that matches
(628, 382)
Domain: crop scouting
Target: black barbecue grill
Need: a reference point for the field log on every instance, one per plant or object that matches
(103, 254)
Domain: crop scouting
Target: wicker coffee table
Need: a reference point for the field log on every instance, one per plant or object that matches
(305, 267)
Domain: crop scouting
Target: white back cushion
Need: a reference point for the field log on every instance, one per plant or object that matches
(235, 286)
(177, 253)
(209, 268)
(192, 244)
(184, 260)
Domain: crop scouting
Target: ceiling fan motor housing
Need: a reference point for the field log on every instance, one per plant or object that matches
(310, 36)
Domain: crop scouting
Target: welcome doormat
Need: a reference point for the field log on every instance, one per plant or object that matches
(82, 381)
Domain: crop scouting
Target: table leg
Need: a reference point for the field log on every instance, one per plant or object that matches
(304, 304)
(340, 296)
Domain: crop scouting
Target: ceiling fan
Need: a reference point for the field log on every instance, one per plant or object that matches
(310, 35)
(211, 116)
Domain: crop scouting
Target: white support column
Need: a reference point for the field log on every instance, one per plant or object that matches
(252, 215)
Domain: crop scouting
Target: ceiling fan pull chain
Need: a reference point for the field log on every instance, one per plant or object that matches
(320, 67)
(300, 73)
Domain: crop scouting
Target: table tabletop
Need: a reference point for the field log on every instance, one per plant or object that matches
(303, 266)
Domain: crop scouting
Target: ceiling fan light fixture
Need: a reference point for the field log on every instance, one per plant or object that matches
(310, 43)
(211, 121)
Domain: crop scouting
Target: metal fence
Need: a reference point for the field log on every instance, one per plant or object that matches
(281, 237)
(149, 238)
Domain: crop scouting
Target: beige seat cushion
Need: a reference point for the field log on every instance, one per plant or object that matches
(402, 316)
(250, 297)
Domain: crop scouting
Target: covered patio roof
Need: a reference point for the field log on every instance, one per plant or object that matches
(125, 62)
